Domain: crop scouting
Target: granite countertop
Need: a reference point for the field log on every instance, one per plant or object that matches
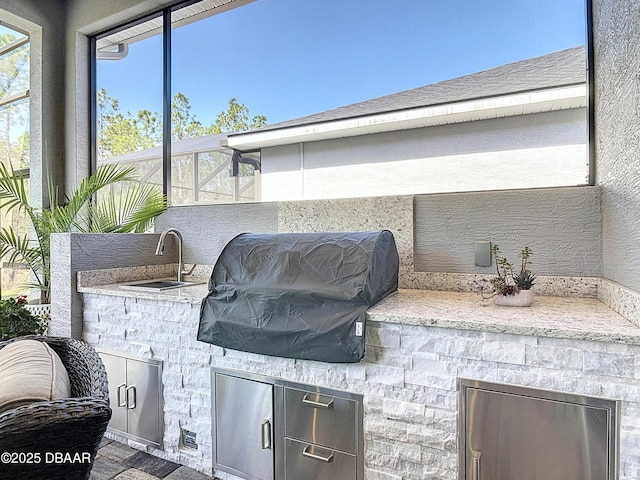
(559, 317)
(110, 281)
(190, 294)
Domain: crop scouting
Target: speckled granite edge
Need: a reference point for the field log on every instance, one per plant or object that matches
(200, 271)
(189, 294)
(620, 299)
(584, 287)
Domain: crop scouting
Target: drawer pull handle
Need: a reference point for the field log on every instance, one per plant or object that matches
(307, 453)
(266, 434)
(317, 404)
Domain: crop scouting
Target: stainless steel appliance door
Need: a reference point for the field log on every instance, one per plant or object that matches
(513, 437)
(116, 368)
(244, 427)
(142, 401)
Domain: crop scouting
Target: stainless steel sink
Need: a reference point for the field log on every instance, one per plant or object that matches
(158, 285)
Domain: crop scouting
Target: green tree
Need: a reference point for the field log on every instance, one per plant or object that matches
(236, 119)
(120, 132)
(183, 123)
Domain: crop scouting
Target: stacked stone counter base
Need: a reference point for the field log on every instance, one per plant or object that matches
(415, 352)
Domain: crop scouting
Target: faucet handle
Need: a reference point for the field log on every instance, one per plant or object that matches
(193, 267)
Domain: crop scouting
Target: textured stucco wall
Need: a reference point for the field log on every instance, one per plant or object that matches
(617, 110)
(434, 233)
(561, 225)
(206, 229)
(524, 151)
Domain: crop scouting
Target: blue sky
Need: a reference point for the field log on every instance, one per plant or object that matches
(290, 58)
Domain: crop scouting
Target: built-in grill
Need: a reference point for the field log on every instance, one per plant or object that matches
(298, 295)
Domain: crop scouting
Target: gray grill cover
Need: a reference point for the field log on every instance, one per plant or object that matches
(298, 295)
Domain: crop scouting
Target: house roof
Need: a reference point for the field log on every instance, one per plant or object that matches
(549, 82)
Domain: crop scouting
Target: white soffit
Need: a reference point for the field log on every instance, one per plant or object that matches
(548, 100)
(179, 17)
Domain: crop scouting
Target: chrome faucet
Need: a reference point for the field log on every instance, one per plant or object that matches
(160, 247)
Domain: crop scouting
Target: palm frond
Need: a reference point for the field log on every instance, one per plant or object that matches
(132, 209)
(13, 189)
(19, 249)
(65, 216)
(128, 207)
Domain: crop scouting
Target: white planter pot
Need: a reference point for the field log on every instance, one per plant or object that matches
(524, 298)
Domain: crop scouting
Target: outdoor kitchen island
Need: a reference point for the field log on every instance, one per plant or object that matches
(419, 344)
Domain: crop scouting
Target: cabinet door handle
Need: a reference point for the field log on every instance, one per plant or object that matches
(475, 465)
(316, 403)
(119, 395)
(131, 388)
(308, 453)
(265, 429)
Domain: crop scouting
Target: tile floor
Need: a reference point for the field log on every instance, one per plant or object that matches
(116, 461)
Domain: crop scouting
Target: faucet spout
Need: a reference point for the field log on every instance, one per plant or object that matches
(160, 247)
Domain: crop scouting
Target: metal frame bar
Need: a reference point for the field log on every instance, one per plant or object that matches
(591, 92)
(166, 104)
(14, 99)
(14, 45)
(93, 106)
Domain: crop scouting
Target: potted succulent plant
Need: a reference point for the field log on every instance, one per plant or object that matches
(512, 288)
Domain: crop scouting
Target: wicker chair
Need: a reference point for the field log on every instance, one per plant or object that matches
(72, 426)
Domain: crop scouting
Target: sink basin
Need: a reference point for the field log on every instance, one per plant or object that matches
(157, 285)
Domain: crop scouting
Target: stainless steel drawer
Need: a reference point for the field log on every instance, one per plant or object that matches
(304, 461)
(321, 419)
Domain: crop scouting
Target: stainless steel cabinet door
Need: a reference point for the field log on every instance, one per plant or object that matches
(512, 437)
(143, 401)
(244, 427)
(116, 368)
(135, 397)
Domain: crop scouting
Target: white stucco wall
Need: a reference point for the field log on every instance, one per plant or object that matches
(617, 63)
(527, 151)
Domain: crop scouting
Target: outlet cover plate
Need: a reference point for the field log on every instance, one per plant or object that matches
(483, 254)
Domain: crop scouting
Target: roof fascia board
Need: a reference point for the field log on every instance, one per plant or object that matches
(495, 107)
